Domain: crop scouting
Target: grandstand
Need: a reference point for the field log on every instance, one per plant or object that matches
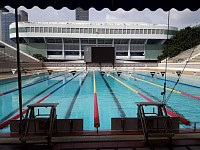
(8, 59)
(190, 55)
(9, 53)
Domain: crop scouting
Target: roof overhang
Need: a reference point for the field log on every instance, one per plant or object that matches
(101, 4)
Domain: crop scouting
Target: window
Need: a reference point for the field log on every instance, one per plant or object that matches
(137, 53)
(153, 31)
(107, 31)
(73, 30)
(116, 31)
(37, 29)
(54, 52)
(28, 29)
(111, 31)
(81, 30)
(68, 30)
(32, 29)
(41, 29)
(120, 31)
(50, 29)
(141, 31)
(137, 31)
(94, 30)
(86, 30)
(122, 53)
(145, 31)
(103, 31)
(55, 30)
(59, 30)
(90, 30)
(157, 31)
(124, 31)
(128, 31)
(71, 52)
(132, 31)
(99, 31)
(82, 53)
(64, 30)
(161, 31)
(149, 31)
(45, 29)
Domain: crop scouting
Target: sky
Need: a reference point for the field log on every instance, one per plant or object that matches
(179, 19)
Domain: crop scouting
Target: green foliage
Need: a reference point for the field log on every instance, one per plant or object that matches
(181, 41)
(40, 57)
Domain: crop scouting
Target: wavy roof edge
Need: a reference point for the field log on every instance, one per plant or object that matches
(101, 4)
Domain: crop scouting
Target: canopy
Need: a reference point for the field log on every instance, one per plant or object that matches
(101, 4)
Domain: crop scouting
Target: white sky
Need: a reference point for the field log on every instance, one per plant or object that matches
(180, 19)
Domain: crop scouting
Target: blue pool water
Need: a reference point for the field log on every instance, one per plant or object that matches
(75, 95)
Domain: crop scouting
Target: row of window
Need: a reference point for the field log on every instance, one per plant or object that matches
(76, 47)
(93, 30)
(76, 53)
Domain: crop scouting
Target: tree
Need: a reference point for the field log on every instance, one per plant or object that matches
(40, 57)
(181, 41)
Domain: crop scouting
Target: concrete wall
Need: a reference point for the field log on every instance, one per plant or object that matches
(6, 67)
(191, 66)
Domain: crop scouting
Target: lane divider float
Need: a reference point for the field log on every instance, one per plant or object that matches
(96, 110)
(7, 122)
(176, 91)
(30, 84)
(171, 113)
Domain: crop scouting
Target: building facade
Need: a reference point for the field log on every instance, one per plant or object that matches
(6, 18)
(68, 40)
(82, 14)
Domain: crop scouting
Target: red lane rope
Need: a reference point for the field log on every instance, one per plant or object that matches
(171, 113)
(191, 96)
(96, 112)
(7, 122)
(181, 119)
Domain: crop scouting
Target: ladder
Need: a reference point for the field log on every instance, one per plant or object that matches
(39, 126)
(155, 123)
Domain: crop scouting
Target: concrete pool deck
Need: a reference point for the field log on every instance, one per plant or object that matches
(188, 71)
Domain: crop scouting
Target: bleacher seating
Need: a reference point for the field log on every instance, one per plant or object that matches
(184, 56)
(9, 54)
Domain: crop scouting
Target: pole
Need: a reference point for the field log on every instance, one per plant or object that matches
(18, 70)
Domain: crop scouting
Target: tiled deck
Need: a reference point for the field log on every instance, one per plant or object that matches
(114, 145)
(104, 141)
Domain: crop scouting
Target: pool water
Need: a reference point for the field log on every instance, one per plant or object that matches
(75, 95)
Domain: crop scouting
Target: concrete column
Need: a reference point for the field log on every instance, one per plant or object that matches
(63, 48)
(79, 48)
(129, 49)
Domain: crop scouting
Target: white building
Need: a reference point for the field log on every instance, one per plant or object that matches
(67, 40)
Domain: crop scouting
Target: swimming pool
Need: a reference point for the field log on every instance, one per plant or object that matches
(116, 95)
